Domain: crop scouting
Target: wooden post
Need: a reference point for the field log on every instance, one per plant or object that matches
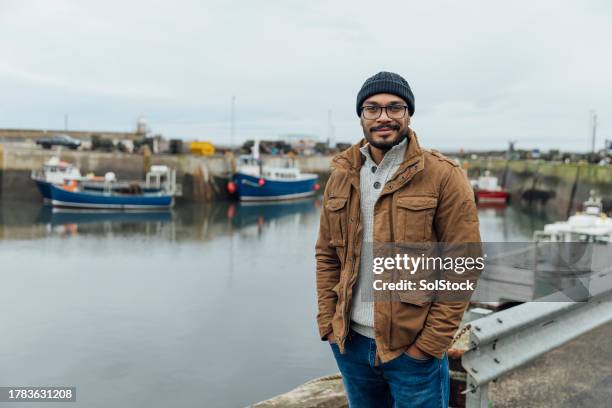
(458, 377)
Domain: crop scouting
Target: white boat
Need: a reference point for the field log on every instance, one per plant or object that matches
(580, 245)
(589, 225)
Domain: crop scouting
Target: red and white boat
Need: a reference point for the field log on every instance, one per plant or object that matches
(488, 191)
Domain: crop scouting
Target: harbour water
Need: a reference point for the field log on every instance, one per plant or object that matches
(206, 305)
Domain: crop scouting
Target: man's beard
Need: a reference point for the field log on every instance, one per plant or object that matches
(386, 145)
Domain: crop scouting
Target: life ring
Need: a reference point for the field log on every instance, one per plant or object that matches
(70, 185)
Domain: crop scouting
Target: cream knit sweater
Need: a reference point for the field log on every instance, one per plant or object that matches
(372, 180)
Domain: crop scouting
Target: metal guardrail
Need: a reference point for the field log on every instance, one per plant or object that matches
(503, 341)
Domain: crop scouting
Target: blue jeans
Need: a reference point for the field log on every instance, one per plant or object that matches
(404, 382)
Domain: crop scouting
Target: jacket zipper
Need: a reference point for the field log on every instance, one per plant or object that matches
(350, 282)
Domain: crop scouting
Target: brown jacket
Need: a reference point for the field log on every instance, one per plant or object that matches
(428, 199)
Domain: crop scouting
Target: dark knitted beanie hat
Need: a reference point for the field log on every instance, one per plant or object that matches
(386, 82)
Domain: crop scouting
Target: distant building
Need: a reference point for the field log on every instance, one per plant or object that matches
(304, 147)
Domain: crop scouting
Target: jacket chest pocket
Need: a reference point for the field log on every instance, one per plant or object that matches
(414, 218)
(337, 215)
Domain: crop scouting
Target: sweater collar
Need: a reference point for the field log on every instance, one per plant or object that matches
(395, 155)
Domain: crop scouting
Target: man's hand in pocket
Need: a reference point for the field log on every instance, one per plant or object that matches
(414, 352)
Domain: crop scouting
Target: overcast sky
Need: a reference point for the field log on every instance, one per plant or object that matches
(483, 72)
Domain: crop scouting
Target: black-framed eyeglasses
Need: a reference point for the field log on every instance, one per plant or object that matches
(392, 111)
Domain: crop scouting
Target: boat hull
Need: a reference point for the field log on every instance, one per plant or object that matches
(492, 197)
(60, 197)
(248, 188)
(45, 189)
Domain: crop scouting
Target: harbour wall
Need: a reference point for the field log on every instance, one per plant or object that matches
(557, 189)
(22, 135)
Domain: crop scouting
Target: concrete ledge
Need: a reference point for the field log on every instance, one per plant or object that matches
(324, 392)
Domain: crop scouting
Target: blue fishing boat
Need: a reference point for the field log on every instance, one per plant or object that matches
(62, 188)
(254, 181)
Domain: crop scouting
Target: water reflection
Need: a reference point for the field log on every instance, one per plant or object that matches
(191, 221)
(252, 219)
(208, 221)
(509, 223)
(54, 216)
(74, 222)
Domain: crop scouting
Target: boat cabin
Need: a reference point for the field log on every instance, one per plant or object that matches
(56, 171)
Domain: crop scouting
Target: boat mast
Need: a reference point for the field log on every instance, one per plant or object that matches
(232, 121)
(594, 131)
(330, 129)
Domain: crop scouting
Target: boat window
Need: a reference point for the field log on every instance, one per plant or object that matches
(602, 239)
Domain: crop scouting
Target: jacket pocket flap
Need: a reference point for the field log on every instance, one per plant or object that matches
(417, 298)
(335, 204)
(417, 203)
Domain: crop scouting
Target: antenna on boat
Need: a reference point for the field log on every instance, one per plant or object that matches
(594, 130)
(232, 121)
(330, 128)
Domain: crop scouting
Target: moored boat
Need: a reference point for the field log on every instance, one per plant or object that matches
(62, 185)
(580, 245)
(254, 181)
(589, 225)
(488, 191)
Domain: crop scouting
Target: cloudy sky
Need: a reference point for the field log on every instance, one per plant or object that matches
(483, 72)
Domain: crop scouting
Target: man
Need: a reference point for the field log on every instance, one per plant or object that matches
(386, 189)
